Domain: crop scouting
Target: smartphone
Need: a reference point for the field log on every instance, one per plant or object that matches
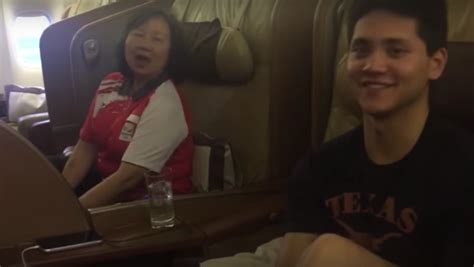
(68, 241)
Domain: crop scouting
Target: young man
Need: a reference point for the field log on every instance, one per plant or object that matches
(398, 189)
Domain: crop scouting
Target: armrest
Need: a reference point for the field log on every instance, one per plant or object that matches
(236, 215)
(26, 122)
(37, 129)
(204, 219)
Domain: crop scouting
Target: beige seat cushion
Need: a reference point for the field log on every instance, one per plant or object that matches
(234, 59)
(265, 119)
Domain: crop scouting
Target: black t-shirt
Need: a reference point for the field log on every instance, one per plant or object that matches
(414, 212)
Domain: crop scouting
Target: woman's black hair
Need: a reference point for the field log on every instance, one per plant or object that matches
(174, 69)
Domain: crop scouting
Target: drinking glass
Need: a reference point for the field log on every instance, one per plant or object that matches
(160, 196)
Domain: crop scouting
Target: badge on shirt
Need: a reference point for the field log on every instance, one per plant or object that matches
(128, 129)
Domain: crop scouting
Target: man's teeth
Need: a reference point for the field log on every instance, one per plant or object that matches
(376, 85)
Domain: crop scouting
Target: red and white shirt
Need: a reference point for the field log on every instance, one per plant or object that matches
(152, 132)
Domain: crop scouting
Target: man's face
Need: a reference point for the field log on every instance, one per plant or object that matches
(389, 67)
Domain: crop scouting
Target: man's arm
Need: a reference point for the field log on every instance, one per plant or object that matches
(80, 162)
(292, 248)
(331, 250)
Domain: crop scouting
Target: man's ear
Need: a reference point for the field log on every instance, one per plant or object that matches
(437, 63)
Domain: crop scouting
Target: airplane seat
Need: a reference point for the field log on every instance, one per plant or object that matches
(265, 119)
(34, 125)
(21, 101)
(26, 109)
(335, 112)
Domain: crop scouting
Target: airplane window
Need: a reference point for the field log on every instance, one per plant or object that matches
(27, 34)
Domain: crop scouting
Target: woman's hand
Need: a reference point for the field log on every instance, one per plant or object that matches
(126, 177)
(79, 163)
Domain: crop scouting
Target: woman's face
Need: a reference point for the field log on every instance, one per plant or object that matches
(147, 49)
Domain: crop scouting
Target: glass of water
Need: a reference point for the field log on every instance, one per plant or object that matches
(160, 195)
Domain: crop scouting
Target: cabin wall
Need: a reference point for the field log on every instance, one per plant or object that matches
(5, 60)
(10, 69)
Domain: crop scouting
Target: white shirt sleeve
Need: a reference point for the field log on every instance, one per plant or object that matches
(162, 127)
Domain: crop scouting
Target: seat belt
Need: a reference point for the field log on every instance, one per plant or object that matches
(240, 14)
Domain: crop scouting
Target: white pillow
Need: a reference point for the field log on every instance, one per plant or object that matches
(23, 103)
(213, 164)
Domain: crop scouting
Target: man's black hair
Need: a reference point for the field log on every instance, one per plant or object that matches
(176, 58)
(430, 15)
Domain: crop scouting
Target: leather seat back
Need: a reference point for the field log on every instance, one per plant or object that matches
(266, 119)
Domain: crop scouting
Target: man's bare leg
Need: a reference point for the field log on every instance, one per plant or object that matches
(331, 250)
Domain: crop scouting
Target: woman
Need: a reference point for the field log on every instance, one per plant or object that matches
(137, 121)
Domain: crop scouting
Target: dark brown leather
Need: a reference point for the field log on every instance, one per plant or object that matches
(452, 96)
(3, 106)
(37, 129)
(26, 122)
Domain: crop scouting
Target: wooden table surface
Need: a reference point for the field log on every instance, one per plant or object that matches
(201, 219)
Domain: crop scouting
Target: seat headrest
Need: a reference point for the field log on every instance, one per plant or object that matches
(452, 96)
(216, 53)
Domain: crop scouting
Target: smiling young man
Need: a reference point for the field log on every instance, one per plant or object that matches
(398, 189)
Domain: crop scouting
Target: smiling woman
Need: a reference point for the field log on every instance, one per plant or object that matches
(137, 120)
